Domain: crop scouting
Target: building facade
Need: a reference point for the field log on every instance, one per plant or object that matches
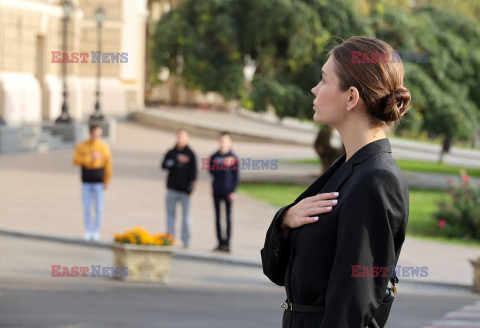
(31, 56)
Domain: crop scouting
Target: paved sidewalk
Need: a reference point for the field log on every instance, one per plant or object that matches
(467, 316)
(199, 294)
(41, 193)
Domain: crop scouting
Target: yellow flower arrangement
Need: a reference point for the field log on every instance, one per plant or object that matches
(140, 236)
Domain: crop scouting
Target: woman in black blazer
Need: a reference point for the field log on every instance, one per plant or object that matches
(328, 250)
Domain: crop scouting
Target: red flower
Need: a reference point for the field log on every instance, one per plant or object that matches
(442, 223)
(465, 178)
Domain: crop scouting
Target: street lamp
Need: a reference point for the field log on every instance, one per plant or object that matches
(67, 11)
(97, 114)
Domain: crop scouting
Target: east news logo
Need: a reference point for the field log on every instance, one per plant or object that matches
(82, 57)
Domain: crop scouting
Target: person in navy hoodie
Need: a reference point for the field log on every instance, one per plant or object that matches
(224, 167)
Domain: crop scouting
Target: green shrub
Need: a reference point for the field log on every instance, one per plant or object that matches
(459, 215)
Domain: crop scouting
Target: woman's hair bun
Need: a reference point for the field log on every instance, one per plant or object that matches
(379, 82)
(397, 104)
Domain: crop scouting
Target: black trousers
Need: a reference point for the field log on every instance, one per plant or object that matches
(228, 204)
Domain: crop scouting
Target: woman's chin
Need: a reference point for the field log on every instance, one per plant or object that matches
(319, 120)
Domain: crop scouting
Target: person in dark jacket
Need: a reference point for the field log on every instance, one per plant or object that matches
(355, 214)
(182, 166)
(224, 167)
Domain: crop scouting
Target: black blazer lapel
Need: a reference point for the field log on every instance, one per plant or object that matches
(344, 172)
(338, 178)
(322, 180)
(337, 174)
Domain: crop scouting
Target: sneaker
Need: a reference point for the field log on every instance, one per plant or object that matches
(96, 236)
(87, 236)
(217, 249)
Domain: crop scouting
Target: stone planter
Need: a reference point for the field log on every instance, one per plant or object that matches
(476, 274)
(145, 263)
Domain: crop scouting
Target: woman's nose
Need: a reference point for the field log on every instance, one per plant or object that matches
(315, 89)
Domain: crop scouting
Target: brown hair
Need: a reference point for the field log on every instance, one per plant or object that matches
(370, 65)
(93, 127)
(224, 133)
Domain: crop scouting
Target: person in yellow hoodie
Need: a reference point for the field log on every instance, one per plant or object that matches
(95, 159)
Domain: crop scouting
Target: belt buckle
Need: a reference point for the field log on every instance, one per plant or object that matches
(287, 306)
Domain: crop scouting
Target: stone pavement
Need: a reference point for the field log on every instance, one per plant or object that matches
(200, 294)
(25, 258)
(41, 193)
(466, 317)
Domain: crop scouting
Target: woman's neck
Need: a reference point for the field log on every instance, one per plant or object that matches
(355, 139)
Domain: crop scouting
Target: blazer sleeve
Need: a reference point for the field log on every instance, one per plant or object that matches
(370, 217)
(275, 253)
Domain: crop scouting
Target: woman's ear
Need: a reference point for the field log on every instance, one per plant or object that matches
(353, 98)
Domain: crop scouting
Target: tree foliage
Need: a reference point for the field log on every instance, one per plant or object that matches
(205, 43)
(199, 43)
(445, 87)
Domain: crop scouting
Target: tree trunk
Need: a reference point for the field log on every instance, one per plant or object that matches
(447, 142)
(325, 151)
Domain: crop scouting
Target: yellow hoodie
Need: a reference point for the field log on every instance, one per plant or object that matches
(83, 157)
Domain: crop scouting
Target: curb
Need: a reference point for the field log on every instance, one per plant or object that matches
(180, 253)
(437, 284)
(207, 257)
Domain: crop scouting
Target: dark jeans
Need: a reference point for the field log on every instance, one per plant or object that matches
(228, 205)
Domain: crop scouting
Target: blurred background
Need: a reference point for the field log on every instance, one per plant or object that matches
(141, 69)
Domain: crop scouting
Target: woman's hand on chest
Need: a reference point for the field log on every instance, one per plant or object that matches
(302, 212)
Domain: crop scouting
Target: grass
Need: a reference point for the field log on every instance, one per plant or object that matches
(277, 195)
(422, 206)
(421, 222)
(423, 137)
(411, 165)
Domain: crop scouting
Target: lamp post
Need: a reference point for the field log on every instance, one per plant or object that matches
(97, 114)
(67, 11)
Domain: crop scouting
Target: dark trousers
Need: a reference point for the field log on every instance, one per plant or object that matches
(228, 205)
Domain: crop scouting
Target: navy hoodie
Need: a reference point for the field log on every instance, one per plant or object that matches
(225, 179)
